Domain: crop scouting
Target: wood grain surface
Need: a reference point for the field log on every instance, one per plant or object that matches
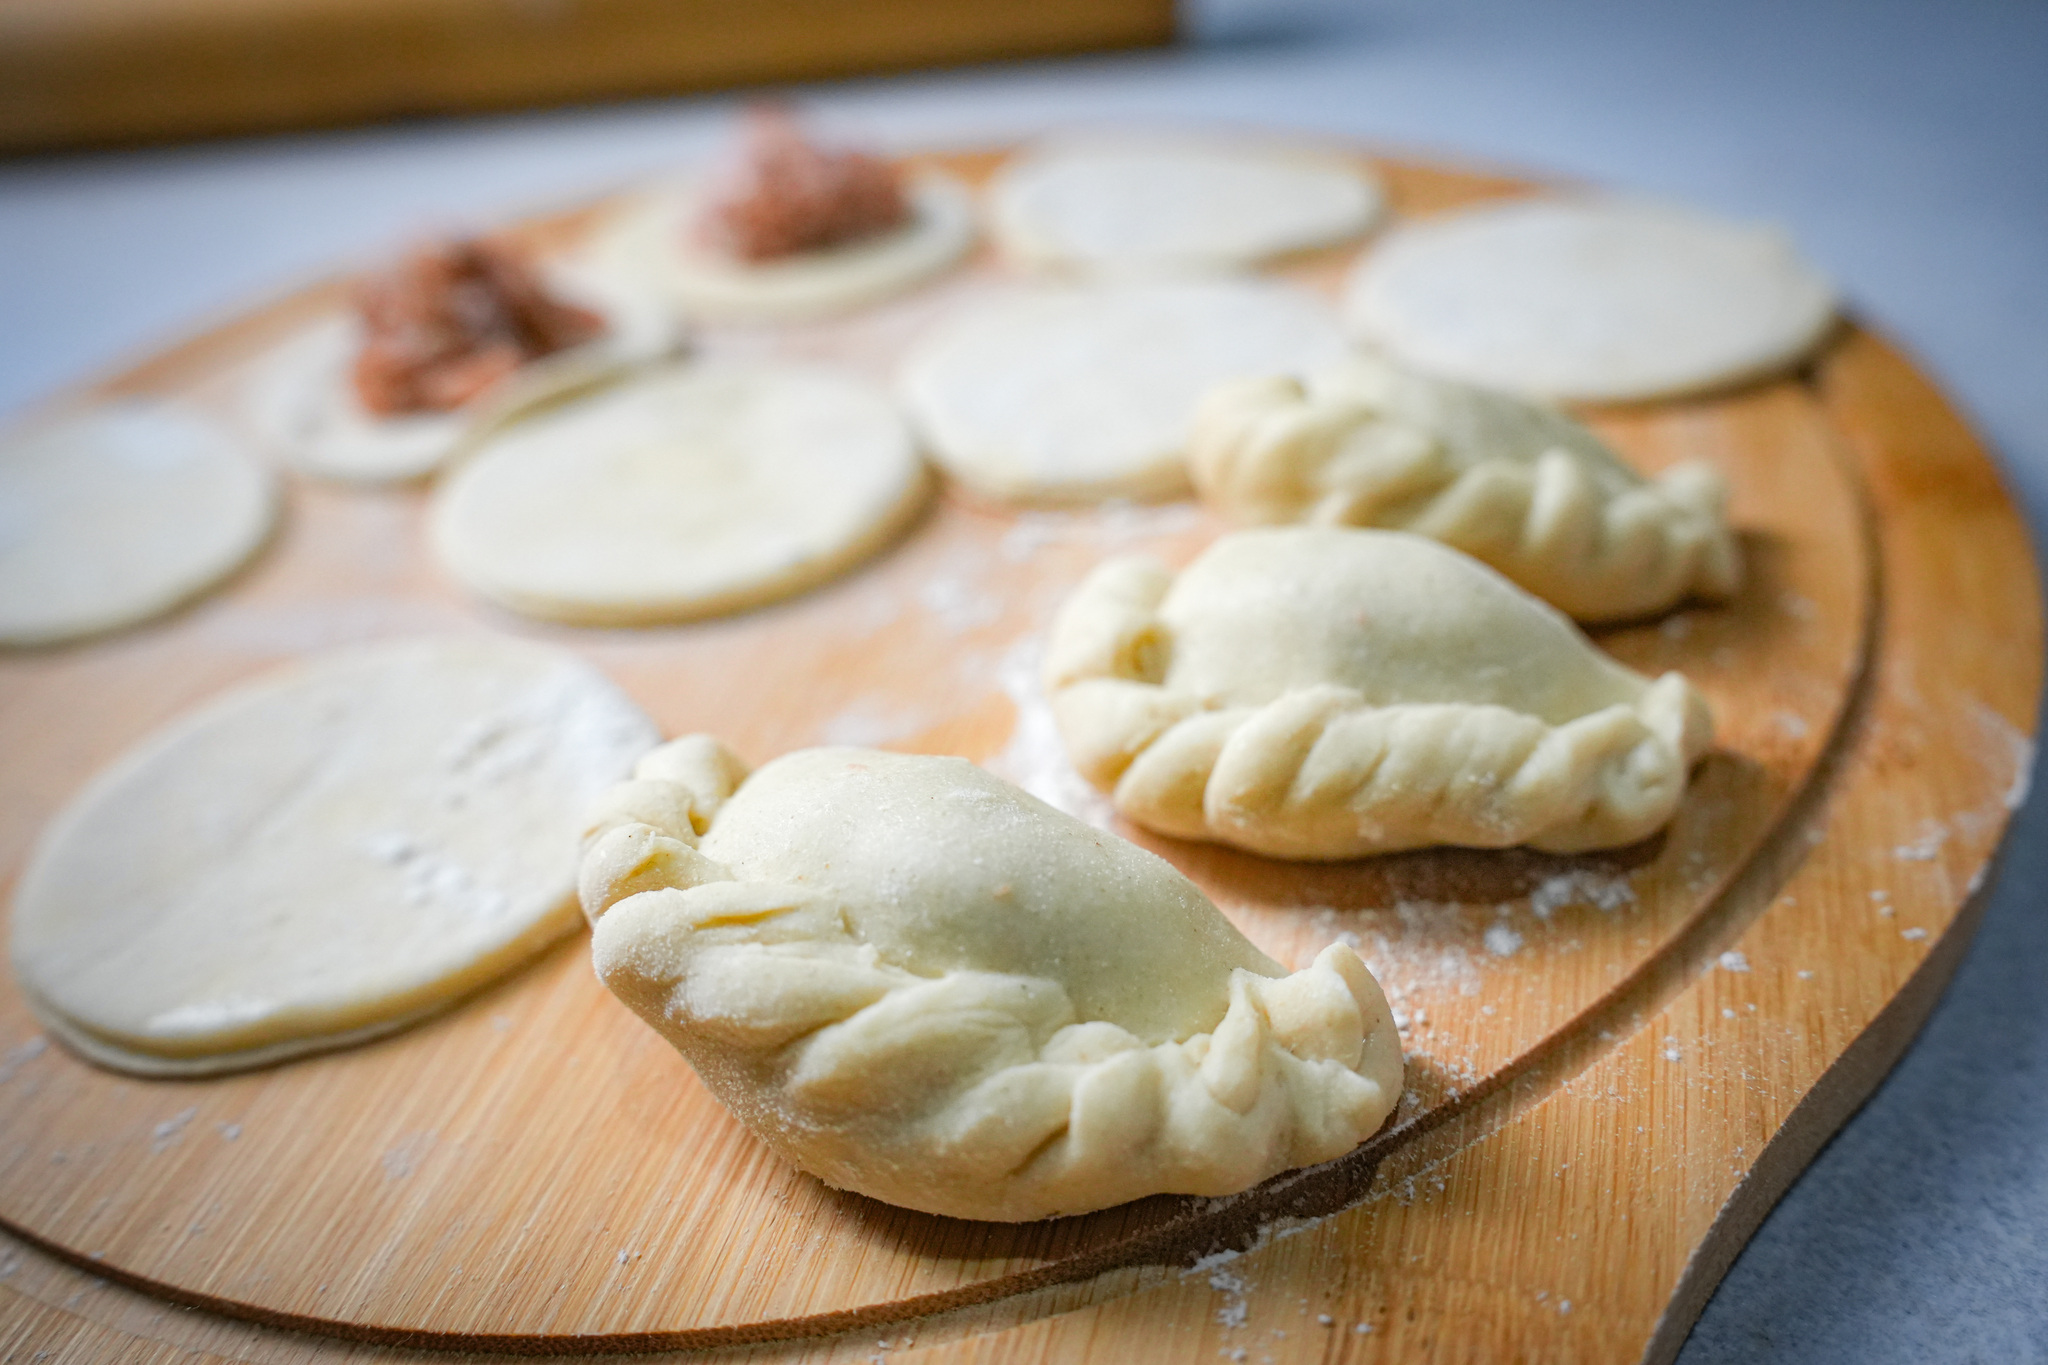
(1616, 1062)
(93, 71)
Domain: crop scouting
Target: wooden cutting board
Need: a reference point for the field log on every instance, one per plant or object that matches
(1616, 1062)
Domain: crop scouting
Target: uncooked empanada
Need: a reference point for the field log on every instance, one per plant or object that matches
(1322, 692)
(915, 981)
(1521, 487)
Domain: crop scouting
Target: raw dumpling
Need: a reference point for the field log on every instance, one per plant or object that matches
(119, 513)
(1317, 692)
(1137, 205)
(1083, 393)
(320, 856)
(917, 982)
(647, 246)
(1589, 299)
(1515, 485)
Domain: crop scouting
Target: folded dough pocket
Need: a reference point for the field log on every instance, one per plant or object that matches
(917, 982)
(1316, 692)
(1518, 486)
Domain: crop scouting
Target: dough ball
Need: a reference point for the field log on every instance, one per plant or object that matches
(917, 982)
(1321, 692)
(119, 513)
(1516, 485)
(1080, 394)
(320, 856)
(1586, 299)
(1163, 205)
(679, 492)
(648, 245)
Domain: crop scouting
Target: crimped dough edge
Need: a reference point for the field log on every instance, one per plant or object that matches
(1318, 773)
(1548, 506)
(971, 1094)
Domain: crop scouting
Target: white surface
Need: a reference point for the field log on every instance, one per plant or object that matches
(1899, 142)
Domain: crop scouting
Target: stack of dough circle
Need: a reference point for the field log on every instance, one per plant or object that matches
(649, 245)
(118, 514)
(1319, 692)
(1077, 394)
(1516, 485)
(1597, 300)
(320, 856)
(1130, 207)
(917, 982)
(679, 492)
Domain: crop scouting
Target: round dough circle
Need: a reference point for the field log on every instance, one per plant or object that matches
(301, 399)
(322, 855)
(1080, 394)
(118, 514)
(1167, 206)
(648, 245)
(1596, 300)
(678, 493)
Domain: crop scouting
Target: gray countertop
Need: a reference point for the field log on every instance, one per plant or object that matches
(1904, 144)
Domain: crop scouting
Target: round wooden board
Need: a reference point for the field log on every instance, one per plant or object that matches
(1616, 1062)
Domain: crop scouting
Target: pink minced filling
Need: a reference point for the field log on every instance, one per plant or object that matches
(787, 195)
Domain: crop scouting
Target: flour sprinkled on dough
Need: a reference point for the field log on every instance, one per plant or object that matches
(915, 981)
(321, 855)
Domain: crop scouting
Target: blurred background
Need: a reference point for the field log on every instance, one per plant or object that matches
(167, 161)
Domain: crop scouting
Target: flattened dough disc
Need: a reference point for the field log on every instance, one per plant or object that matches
(301, 400)
(322, 855)
(118, 514)
(1597, 300)
(1079, 394)
(1172, 205)
(647, 246)
(301, 403)
(684, 491)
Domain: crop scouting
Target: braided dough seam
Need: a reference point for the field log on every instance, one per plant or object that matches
(1586, 534)
(1319, 773)
(972, 1093)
